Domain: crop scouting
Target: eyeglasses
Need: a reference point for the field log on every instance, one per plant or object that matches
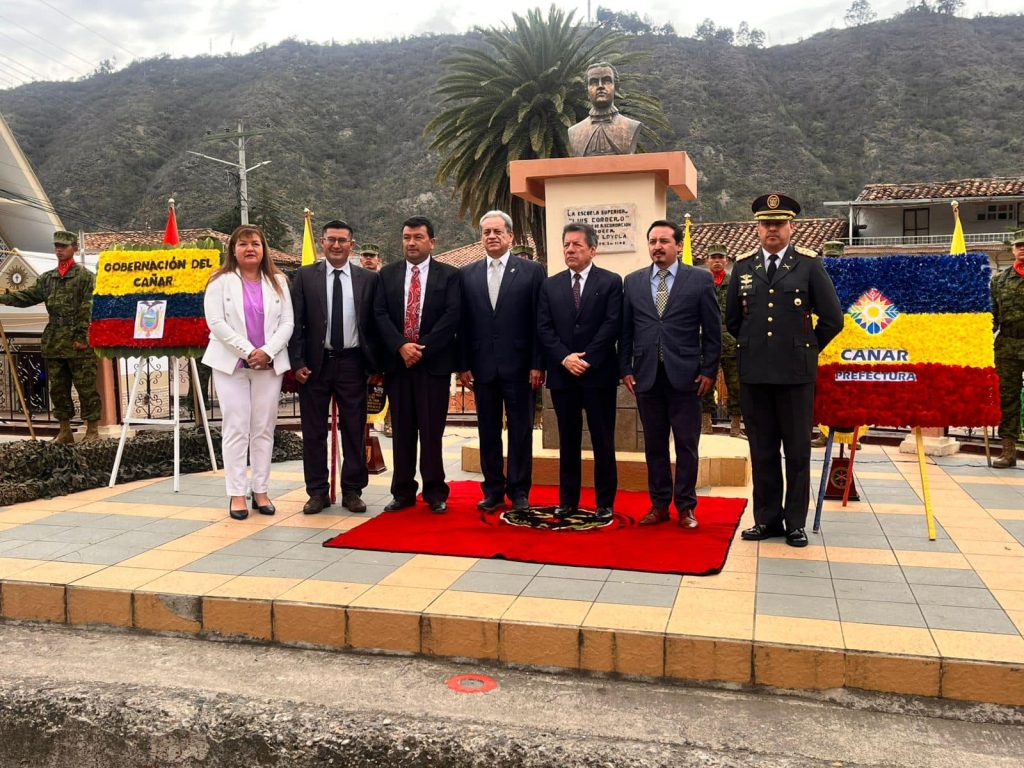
(337, 240)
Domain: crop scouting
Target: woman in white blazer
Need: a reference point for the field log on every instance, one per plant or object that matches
(249, 311)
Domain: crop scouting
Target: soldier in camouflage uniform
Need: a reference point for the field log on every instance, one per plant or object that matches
(67, 292)
(1008, 320)
(717, 259)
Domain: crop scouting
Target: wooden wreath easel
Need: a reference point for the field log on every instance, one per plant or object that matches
(175, 419)
(17, 381)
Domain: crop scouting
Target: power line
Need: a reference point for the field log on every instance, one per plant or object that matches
(90, 29)
(37, 51)
(47, 41)
(30, 73)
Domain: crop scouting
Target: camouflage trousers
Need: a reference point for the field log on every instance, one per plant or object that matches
(1010, 370)
(732, 386)
(80, 371)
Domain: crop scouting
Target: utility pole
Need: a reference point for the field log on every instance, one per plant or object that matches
(243, 188)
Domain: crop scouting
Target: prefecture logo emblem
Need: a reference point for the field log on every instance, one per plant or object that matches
(873, 311)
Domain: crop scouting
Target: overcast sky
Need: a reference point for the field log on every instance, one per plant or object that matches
(66, 39)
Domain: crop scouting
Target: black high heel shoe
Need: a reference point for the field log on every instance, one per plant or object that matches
(263, 509)
(237, 514)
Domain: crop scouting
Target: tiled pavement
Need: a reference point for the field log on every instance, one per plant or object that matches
(870, 604)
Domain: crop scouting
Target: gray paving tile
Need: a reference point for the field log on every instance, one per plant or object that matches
(356, 573)
(9, 544)
(284, 533)
(263, 548)
(637, 594)
(876, 591)
(33, 532)
(968, 619)
(70, 518)
(319, 537)
(921, 544)
(140, 540)
(639, 577)
(797, 606)
(848, 528)
(83, 535)
(122, 522)
(370, 557)
(854, 540)
(510, 567)
(572, 572)
(950, 577)
(874, 612)
(779, 566)
(1015, 528)
(310, 550)
(962, 597)
(42, 550)
(864, 572)
(102, 553)
(234, 565)
(563, 589)
(287, 569)
(497, 583)
(176, 527)
(794, 585)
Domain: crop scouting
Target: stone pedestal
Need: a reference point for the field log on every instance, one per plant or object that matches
(620, 195)
(935, 443)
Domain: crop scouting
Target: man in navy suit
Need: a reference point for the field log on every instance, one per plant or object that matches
(332, 352)
(668, 358)
(578, 323)
(417, 308)
(501, 361)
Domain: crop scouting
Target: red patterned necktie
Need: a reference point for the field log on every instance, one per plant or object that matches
(412, 307)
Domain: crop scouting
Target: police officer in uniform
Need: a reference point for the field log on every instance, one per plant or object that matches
(717, 260)
(67, 292)
(1008, 320)
(773, 292)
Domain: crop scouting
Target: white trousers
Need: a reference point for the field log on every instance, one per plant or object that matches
(248, 403)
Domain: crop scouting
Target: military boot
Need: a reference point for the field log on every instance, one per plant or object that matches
(64, 436)
(705, 425)
(734, 427)
(1008, 458)
(92, 431)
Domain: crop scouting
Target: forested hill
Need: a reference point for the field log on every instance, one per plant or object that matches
(917, 98)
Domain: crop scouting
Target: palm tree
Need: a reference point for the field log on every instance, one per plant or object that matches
(513, 98)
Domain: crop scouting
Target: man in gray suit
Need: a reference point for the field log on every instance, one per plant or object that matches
(668, 358)
(332, 353)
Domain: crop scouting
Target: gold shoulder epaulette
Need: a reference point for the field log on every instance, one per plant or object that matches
(806, 251)
(748, 254)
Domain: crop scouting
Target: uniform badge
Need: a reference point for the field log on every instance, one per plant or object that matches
(746, 281)
(773, 201)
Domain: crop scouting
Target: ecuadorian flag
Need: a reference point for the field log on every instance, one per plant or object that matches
(916, 345)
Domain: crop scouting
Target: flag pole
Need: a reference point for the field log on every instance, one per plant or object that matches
(924, 484)
(687, 243)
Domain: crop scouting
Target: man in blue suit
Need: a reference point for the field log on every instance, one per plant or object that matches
(668, 357)
(501, 360)
(578, 323)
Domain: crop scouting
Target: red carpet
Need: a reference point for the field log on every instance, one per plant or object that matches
(620, 544)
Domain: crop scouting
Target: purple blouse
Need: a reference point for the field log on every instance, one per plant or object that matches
(252, 303)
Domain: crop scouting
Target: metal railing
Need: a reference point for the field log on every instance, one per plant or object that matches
(976, 238)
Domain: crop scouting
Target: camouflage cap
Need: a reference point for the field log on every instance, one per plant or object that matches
(833, 248)
(63, 237)
(1018, 237)
(369, 249)
(717, 249)
(522, 250)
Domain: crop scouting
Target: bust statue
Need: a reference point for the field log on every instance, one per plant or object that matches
(606, 131)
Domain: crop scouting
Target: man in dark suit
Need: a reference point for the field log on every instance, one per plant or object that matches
(668, 358)
(417, 310)
(332, 354)
(501, 361)
(579, 318)
(774, 291)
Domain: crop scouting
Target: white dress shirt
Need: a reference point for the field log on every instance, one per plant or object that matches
(350, 325)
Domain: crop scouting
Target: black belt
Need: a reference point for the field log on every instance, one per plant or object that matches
(338, 354)
(1011, 333)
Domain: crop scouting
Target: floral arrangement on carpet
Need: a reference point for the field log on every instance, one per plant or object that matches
(152, 299)
(916, 345)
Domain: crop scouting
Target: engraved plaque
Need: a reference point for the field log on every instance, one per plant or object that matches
(615, 224)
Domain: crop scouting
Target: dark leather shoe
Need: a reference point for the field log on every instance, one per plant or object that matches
(237, 514)
(316, 505)
(263, 509)
(654, 516)
(603, 514)
(796, 538)
(762, 532)
(490, 504)
(521, 504)
(353, 503)
(687, 519)
(566, 511)
(439, 507)
(397, 505)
